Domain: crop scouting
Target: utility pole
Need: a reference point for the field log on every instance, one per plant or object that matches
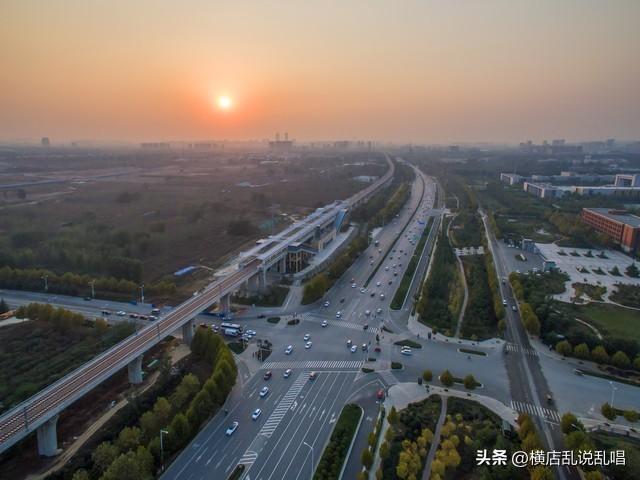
(46, 285)
(162, 449)
(311, 476)
(142, 293)
(92, 284)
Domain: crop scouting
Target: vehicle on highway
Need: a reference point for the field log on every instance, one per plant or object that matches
(306, 337)
(514, 308)
(256, 413)
(373, 294)
(153, 318)
(324, 323)
(133, 315)
(267, 375)
(348, 343)
(365, 326)
(367, 312)
(354, 349)
(287, 373)
(232, 428)
(288, 350)
(338, 314)
(308, 345)
(378, 284)
(380, 394)
(504, 302)
(382, 296)
(106, 312)
(364, 347)
(87, 299)
(406, 351)
(386, 269)
(313, 375)
(230, 332)
(362, 290)
(326, 304)
(395, 274)
(264, 392)
(143, 317)
(342, 300)
(377, 349)
(390, 282)
(155, 311)
(353, 285)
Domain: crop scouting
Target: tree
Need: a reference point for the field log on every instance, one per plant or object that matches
(631, 416)
(427, 375)
(179, 432)
(470, 382)
(569, 422)
(392, 418)
(366, 458)
(608, 411)
(200, 409)
(632, 270)
(104, 455)
(599, 355)
(130, 466)
(371, 440)
(189, 386)
(128, 439)
(384, 450)
(4, 308)
(80, 474)
(581, 351)
(446, 378)
(564, 348)
(101, 326)
(621, 360)
(540, 472)
(636, 363)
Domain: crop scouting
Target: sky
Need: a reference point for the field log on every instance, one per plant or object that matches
(404, 71)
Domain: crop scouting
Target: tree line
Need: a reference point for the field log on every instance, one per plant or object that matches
(135, 453)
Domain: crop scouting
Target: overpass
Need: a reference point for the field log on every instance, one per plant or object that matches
(40, 412)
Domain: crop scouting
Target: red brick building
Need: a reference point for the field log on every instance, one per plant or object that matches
(622, 227)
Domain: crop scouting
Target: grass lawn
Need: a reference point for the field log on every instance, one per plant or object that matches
(615, 321)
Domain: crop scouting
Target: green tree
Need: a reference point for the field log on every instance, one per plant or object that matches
(569, 422)
(581, 351)
(632, 270)
(470, 382)
(540, 472)
(189, 386)
(599, 354)
(128, 439)
(608, 411)
(564, 348)
(80, 474)
(392, 418)
(427, 375)
(366, 458)
(636, 363)
(4, 308)
(200, 409)
(179, 432)
(446, 378)
(621, 360)
(104, 455)
(631, 416)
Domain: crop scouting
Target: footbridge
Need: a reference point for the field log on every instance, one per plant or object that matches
(40, 412)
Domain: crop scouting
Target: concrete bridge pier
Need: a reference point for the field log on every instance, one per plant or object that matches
(225, 303)
(135, 370)
(48, 438)
(187, 331)
(262, 280)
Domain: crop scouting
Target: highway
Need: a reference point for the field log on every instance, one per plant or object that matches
(24, 418)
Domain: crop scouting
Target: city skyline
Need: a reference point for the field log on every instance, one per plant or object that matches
(423, 72)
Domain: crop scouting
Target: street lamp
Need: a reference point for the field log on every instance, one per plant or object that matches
(142, 293)
(311, 448)
(46, 285)
(162, 449)
(92, 284)
(613, 392)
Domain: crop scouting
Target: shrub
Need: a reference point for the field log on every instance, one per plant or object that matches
(599, 354)
(621, 360)
(608, 411)
(396, 366)
(564, 348)
(446, 378)
(470, 382)
(427, 375)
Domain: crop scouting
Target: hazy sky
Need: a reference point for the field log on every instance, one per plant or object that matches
(421, 71)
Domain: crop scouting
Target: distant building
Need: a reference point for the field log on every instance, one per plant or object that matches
(628, 193)
(619, 225)
(627, 180)
(543, 190)
(511, 178)
(44, 141)
(156, 145)
(281, 145)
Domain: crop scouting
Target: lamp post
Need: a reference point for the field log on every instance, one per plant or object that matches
(162, 449)
(92, 284)
(311, 448)
(613, 392)
(46, 285)
(142, 293)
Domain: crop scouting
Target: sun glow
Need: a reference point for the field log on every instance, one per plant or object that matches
(224, 102)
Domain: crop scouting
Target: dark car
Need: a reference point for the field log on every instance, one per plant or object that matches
(365, 326)
(267, 375)
(262, 315)
(380, 394)
(87, 299)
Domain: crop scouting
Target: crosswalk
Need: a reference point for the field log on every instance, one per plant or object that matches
(531, 409)
(512, 347)
(341, 323)
(315, 364)
(280, 411)
(248, 458)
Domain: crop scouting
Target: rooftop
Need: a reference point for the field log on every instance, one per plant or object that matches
(618, 215)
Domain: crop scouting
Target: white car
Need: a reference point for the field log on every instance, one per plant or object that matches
(367, 312)
(251, 332)
(256, 413)
(379, 310)
(378, 284)
(306, 337)
(121, 313)
(288, 350)
(354, 349)
(232, 428)
(308, 345)
(504, 302)
(353, 285)
(264, 392)
(386, 269)
(406, 351)
(382, 296)
(326, 304)
(362, 290)
(324, 323)
(287, 373)
(339, 314)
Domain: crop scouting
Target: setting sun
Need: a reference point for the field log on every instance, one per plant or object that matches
(224, 102)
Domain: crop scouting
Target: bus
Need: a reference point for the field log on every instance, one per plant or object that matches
(224, 326)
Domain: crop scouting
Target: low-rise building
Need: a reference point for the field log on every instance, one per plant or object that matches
(511, 178)
(543, 190)
(619, 225)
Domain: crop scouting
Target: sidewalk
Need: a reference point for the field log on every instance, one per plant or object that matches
(422, 331)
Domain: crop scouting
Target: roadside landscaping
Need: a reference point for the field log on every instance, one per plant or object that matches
(335, 453)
